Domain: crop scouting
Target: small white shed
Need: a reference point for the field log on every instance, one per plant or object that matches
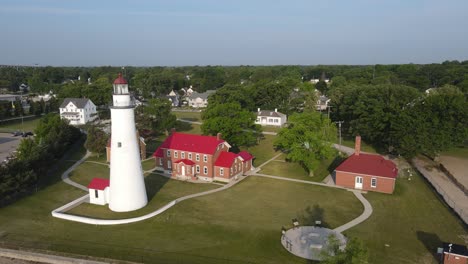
(99, 191)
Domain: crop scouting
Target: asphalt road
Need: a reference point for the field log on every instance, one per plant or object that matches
(8, 144)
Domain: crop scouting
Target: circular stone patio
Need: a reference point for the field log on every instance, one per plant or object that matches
(309, 241)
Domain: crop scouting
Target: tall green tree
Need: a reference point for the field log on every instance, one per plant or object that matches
(156, 115)
(96, 140)
(354, 253)
(237, 125)
(307, 139)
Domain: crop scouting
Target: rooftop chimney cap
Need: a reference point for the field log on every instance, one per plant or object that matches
(357, 145)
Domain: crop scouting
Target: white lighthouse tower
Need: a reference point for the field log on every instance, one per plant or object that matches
(127, 186)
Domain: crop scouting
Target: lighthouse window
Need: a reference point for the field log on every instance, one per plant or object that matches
(119, 144)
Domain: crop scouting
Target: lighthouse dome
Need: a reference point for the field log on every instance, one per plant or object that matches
(120, 80)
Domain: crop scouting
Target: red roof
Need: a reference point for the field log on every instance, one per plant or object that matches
(189, 142)
(120, 80)
(98, 184)
(369, 164)
(245, 155)
(225, 159)
(185, 161)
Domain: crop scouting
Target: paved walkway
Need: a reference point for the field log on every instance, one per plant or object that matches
(367, 206)
(268, 161)
(66, 174)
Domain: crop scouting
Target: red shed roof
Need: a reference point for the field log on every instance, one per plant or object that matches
(98, 184)
(245, 155)
(120, 80)
(225, 159)
(189, 142)
(185, 161)
(369, 164)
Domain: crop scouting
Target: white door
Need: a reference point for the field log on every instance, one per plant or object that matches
(183, 170)
(358, 183)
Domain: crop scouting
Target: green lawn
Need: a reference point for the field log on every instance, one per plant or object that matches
(280, 167)
(459, 152)
(412, 222)
(160, 190)
(148, 164)
(263, 151)
(84, 173)
(191, 116)
(29, 124)
(238, 225)
(271, 128)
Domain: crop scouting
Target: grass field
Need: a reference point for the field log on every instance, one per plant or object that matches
(413, 222)
(29, 124)
(263, 151)
(191, 116)
(459, 152)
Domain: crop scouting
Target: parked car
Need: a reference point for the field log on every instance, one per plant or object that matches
(17, 133)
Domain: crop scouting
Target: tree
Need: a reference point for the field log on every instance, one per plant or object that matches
(96, 140)
(322, 86)
(354, 253)
(156, 115)
(307, 139)
(237, 125)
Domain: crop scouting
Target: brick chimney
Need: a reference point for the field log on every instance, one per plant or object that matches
(357, 145)
(219, 136)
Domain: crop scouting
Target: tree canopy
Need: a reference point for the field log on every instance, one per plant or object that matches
(307, 139)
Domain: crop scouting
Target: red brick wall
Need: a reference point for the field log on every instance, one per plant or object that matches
(452, 259)
(345, 179)
(247, 166)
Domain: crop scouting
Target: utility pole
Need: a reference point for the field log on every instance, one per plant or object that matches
(329, 106)
(339, 126)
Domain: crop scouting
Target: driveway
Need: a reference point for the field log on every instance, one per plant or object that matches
(8, 144)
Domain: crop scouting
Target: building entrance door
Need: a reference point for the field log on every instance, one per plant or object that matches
(183, 170)
(358, 183)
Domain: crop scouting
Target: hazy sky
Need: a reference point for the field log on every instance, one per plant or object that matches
(231, 32)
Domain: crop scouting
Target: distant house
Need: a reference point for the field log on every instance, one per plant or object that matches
(322, 103)
(142, 144)
(99, 191)
(314, 81)
(78, 111)
(174, 98)
(367, 172)
(199, 100)
(453, 254)
(270, 118)
(195, 157)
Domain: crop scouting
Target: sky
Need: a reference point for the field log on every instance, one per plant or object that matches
(231, 32)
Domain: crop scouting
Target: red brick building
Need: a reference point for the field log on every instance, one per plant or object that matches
(454, 254)
(196, 157)
(367, 172)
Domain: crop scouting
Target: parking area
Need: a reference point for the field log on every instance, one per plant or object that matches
(8, 144)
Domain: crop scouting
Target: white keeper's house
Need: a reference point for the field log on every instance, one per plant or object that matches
(78, 111)
(270, 118)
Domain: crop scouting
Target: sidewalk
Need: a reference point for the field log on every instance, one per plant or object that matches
(451, 193)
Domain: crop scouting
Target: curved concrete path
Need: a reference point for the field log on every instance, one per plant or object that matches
(367, 206)
(59, 212)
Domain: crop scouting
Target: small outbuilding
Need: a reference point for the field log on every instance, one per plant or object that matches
(453, 254)
(367, 172)
(99, 191)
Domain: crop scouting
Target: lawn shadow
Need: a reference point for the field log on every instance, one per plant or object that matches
(310, 216)
(335, 163)
(183, 126)
(191, 119)
(431, 242)
(154, 183)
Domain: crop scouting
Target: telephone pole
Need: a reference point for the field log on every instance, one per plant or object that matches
(339, 126)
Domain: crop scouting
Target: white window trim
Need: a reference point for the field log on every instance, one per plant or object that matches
(197, 157)
(160, 162)
(205, 158)
(374, 180)
(190, 156)
(198, 169)
(175, 154)
(182, 155)
(168, 153)
(205, 170)
(221, 171)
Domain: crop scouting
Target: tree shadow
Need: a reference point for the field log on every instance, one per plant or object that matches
(183, 126)
(431, 242)
(154, 183)
(310, 215)
(335, 163)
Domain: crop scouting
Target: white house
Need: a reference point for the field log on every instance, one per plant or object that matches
(322, 103)
(198, 100)
(78, 111)
(99, 191)
(270, 118)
